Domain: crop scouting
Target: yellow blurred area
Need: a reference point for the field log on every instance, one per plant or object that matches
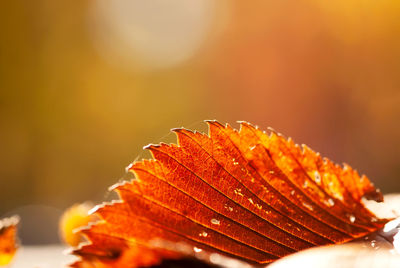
(84, 85)
(8, 239)
(72, 220)
(6, 258)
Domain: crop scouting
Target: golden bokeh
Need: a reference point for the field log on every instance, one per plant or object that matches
(85, 85)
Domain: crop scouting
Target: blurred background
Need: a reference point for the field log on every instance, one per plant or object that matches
(84, 85)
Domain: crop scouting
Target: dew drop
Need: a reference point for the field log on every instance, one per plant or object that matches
(329, 202)
(215, 221)
(337, 195)
(203, 234)
(235, 163)
(238, 192)
(271, 172)
(197, 250)
(251, 201)
(305, 184)
(317, 177)
(308, 206)
(352, 218)
(252, 148)
(228, 208)
(373, 244)
(292, 192)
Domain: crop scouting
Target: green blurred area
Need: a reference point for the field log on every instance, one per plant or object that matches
(84, 85)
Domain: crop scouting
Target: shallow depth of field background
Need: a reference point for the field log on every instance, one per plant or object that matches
(84, 85)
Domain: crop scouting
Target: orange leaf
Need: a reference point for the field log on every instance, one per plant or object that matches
(243, 194)
(8, 239)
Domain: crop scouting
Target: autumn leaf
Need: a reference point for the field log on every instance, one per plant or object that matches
(8, 239)
(246, 195)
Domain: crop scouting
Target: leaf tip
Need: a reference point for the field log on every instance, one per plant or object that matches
(151, 146)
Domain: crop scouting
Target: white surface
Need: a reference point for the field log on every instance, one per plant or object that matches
(47, 256)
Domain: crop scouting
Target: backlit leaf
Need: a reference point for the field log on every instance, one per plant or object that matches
(245, 194)
(8, 239)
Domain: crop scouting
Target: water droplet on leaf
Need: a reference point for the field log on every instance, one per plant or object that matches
(215, 221)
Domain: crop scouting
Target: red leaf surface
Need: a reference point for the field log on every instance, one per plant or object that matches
(8, 239)
(244, 194)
